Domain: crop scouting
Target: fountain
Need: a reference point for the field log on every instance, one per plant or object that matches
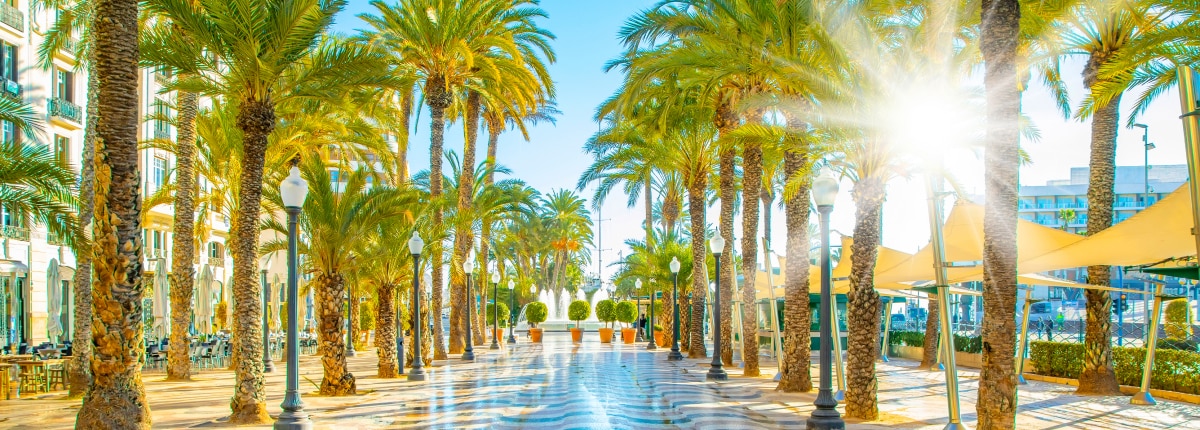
(556, 320)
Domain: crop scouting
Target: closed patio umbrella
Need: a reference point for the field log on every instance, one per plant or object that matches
(162, 299)
(54, 327)
(204, 307)
(276, 291)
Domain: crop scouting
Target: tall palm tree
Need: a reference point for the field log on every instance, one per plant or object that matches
(998, 42)
(116, 397)
(246, 51)
(36, 186)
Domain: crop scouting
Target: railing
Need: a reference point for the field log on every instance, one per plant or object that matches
(12, 91)
(161, 78)
(162, 133)
(65, 109)
(14, 232)
(12, 16)
(55, 240)
(70, 45)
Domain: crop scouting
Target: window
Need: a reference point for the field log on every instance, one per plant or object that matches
(334, 175)
(62, 149)
(162, 113)
(8, 59)
(64, 85)
(215, 251)
(9, 132)
(160, 173)
(7, 217)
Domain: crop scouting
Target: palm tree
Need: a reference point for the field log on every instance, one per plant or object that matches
(247, 51)
(998, 42)
(116, 397)
(339, 221)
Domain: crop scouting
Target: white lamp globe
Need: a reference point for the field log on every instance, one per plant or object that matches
(825, 188)
(717, 243)
(415, 245)
(675, 265)
(293, 189)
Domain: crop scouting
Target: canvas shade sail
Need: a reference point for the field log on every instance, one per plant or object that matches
(963, 237)
(1160, 232)
(54, 327)
(162, 299)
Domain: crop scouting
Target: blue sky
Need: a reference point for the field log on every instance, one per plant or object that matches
(586, 39)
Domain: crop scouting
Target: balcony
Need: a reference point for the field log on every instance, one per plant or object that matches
(162, 133)
(14, 232)
(54, 240)
(66, 111)
(161, 78)
(12, 91)
(12, 17)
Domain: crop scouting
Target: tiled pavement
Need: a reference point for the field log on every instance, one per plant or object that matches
(560, 385)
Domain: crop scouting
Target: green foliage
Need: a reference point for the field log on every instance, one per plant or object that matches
(606, 311)
(1173, 370)
(907, 338)
(658, 327)
(366, 316)
(1179, 344)
(626, 312)
(1179, 320)
(504, 314)
(968, 344)
(579, 310)
(536, 313)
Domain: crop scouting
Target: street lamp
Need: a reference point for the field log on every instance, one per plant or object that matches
(675, 355)
(637, 291)
(650, 327)
(350, 321)
(716, 373)
(268, 365)
(1146, 167)
(417, 371)
(294, 190)
(469, 268)
(512, 311)
(495, 309)
(826, 416)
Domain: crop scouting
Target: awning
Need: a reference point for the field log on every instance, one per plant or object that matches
(1186, 272)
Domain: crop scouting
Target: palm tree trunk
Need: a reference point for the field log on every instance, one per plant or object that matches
(752, 174)
(438, 99)
(385, 334)
(997, 403)
(1097, 376)
(728, 195)
(337, 380)
(464, 236)
(356, 315)
(796, 314)
(648, 199)
(256, 119)
(406, 108)
(79, 368)
(862, 306)
(485, 234)
(929, 351)
(697, 192)
(179, 365)
(116, 398)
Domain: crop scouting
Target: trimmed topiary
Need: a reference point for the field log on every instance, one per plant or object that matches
(626, 312)
(503, 314)
(536, 313)
(579, 311)
(606, 311)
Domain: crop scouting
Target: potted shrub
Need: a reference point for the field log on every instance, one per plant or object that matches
(536, 313)
(660, 336)
(578, 311)
(606, 312)
(503, 319)
(627, 313)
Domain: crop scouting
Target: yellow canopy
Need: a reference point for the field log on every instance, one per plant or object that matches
(963, 237)
(1162, 231)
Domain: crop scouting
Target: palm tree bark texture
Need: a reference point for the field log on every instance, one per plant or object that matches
(438, 99)
(385, 335)
(997, 405)
(728, 191)
(862, 304)
(1097, 376)
(751, 190)
(464, 236)
(78, 369)
(794, 369)
(116, 398)
(179, 364)
(929, 351)
(337, 381)
(695, 328)
(256, 119)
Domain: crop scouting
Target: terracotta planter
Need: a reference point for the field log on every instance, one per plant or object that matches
(577, 335)
(628, 334)
(660, 337)
(500, 335)
(606, 335)
(535, 335)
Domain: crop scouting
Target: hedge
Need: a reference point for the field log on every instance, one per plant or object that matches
(1173, 370)
(967, 344)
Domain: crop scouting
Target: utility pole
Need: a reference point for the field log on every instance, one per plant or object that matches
(599, 246)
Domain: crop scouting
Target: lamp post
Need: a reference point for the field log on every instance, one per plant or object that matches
(268, 365)
(469, 268)
(675, 355)
(512, 311)
(417, 371)
(650, 345)
(495, 309)
(350, 321)
(715, 372)
(826, 416)
(294, 190)
(637, 292)
(1146, 167)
